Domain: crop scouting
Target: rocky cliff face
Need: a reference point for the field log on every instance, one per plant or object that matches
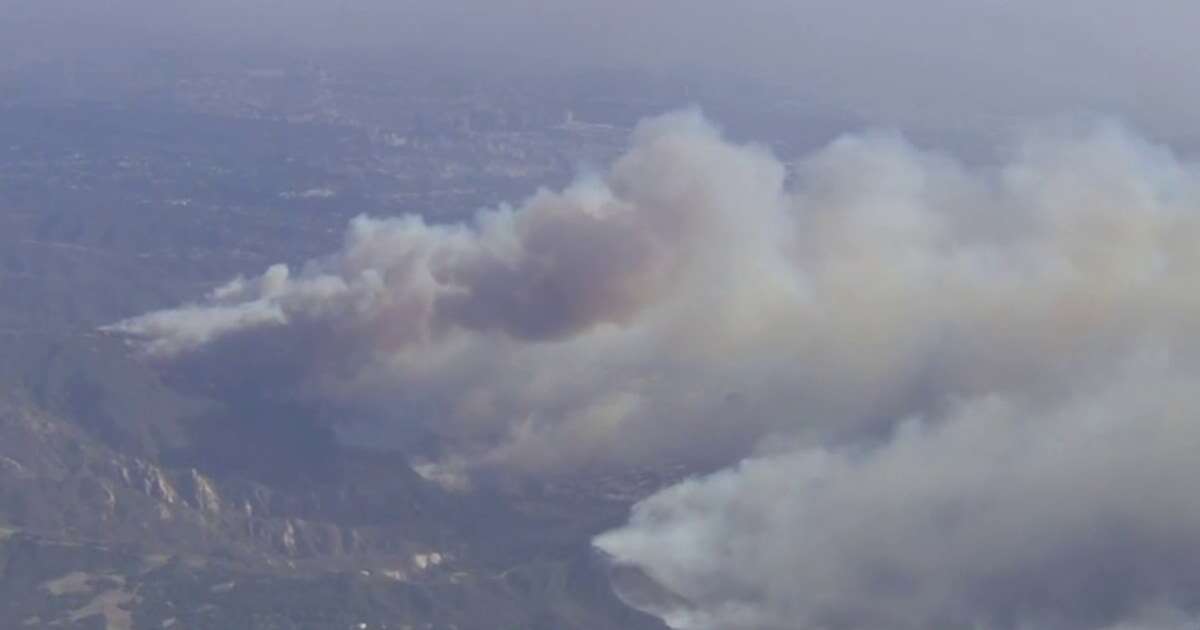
(111, 521)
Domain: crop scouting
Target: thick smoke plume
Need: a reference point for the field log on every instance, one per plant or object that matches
(963, 396)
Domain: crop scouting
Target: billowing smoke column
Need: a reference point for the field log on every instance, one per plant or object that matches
(960, 397)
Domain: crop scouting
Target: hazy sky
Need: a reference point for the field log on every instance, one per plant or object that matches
(941, 61)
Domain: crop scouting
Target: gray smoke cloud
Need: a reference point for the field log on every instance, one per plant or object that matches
(961, 396)
(482, 329)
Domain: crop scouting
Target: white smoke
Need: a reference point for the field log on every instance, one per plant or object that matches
(966, 392)
(1001, 513)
